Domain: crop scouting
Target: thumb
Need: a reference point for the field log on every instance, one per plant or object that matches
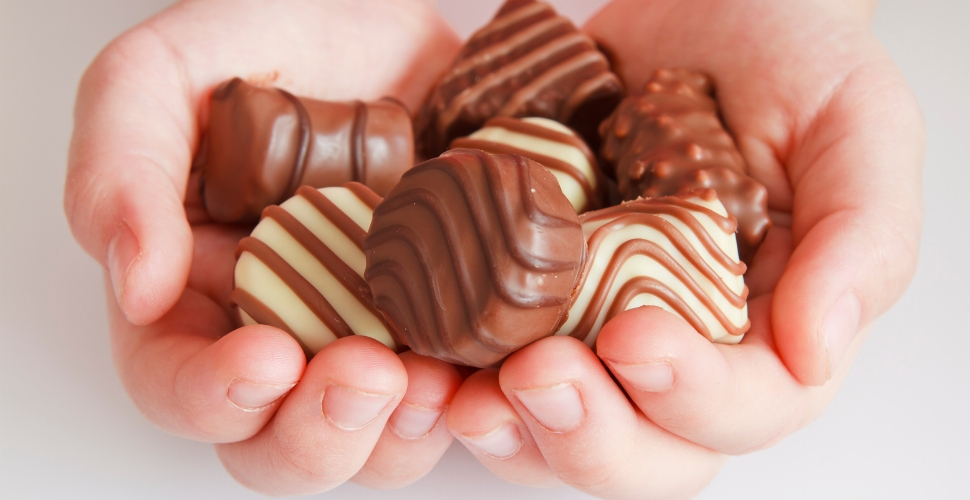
(857, 213)
(130, 152)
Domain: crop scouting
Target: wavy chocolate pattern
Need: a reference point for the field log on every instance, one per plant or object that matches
(549, 143)
(528, 61)
(669, 140)
(302, 268)
(473, 255)
(676, 252)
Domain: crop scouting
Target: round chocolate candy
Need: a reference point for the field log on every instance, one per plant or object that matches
(472, 256)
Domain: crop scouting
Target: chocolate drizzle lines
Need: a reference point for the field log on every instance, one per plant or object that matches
(262, 314)
(347, 277)
(333, 213)
(303, 150)
(303, 289)
(357, 153)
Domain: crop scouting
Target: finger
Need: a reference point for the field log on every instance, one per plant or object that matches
(416, 436)
(488, 425)
(730, 398)
(134, 134)
(769, 262)
(589, 433)
(856, 220)
(327, 426)
(192, 383)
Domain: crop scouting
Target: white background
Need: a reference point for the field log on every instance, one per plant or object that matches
(899, 429)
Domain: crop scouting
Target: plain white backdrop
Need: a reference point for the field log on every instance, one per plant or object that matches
(899, 429)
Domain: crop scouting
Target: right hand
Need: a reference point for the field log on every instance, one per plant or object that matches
(284, 426)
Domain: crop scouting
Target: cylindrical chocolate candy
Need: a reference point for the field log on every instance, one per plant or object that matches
(264, 143)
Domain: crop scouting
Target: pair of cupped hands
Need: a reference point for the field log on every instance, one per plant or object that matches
(817, 107)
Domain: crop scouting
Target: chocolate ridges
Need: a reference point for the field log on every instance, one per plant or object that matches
(302, 268)
(472, 256)
(528, 61)
(263, 143)
(549, 143)
(669, 139)
(676, 252)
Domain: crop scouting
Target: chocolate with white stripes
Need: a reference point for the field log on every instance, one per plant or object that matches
(549, 143)
(302, 268)
(675, 252)
(263, 143)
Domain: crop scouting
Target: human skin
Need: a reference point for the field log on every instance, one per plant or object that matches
(282, 425)
(818, 109)
(829, 126)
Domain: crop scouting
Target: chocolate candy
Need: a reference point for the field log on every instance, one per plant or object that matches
(472, 256)
(549, 143)
(302, 268)
(676, 252)
(528, 61)
(669, 140)
(263, 143)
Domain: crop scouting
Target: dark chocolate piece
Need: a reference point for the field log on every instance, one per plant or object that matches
(528, 61)
(472, 256)
(262, 144)
(669, 140)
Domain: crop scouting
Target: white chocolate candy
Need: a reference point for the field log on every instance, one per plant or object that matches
(302, 268)
(549, 143)
(677, 252)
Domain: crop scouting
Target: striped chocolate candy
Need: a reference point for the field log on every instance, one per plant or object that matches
(302, 268)
(528, 61)
(549, 143)
(676, 252)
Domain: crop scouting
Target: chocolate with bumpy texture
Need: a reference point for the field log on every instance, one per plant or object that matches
(675, 252)
(263, 143)
(528, 61)
(551, 144)
(669, 140)
(302, 268)
(472, 256)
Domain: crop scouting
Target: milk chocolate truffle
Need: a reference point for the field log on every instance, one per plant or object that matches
(472, 256)
(669, 139)
(302, 268)
(676, 252)
(549, 143)
(528, 61)
(263, 143)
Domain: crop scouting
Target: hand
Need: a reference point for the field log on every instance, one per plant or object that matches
(827, 123)
(285, 426)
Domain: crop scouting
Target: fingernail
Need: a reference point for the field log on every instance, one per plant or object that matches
(351, 409)
(656, 376)
(503, 442)
(558, 408)
(250, 396)
(840, 326)
(122, 251)
(411, 421)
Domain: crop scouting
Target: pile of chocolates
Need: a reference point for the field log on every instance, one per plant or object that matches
(501, 238)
